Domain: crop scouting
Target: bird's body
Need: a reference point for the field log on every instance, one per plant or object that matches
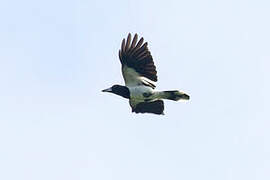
(140, 75)
(140, 93)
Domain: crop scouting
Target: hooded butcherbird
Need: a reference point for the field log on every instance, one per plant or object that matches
(140, 74)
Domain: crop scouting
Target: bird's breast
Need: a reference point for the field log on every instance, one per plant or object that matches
(140, 92)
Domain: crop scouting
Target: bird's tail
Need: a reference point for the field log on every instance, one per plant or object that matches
(172, 95)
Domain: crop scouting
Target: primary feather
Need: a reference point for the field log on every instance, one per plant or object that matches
(137, 63)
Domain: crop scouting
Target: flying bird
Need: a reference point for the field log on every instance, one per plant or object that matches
(139, 73)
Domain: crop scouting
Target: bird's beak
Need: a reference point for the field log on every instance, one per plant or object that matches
(107, 90)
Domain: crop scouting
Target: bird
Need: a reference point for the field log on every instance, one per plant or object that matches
(140, 75)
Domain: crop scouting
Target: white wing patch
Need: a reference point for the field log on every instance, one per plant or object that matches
(132, 78)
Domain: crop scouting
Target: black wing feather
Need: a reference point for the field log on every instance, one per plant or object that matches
(156, 107)
(138, 57)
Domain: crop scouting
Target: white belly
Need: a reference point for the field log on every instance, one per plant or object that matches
(136, 93)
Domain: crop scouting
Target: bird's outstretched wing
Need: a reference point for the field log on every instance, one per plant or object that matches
(137, 63)
(156, 107)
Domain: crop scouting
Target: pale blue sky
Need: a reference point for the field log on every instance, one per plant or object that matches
(56, 56)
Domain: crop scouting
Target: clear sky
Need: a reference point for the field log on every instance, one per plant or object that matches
(57, 56)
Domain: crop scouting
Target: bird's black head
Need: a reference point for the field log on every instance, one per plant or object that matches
(119, 90)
